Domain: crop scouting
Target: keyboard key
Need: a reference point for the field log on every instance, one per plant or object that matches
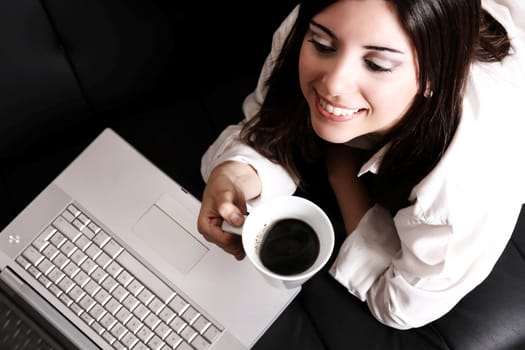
(166, 314)
(93, 251)
(67, 229)
(42, 240)
(130, 302)
(184, 346)
(188, 333)
(114, 269)
(97, 312)
(113, 305)
(82, 242)
(50, 251)
(155, 305)
(135, 287)
(60, 260)
(103, 260)
(73, 210)
(109, 337)
(178, 304)
(84, 219)
(45, 266)
(144, 334)
(68, 216)
(189, 314)
(155, 343)
(173, 339)
(78, 257)
(68, 248)
(112, 248)
(118, 330)
(162, 330)
(71, 269)
(81, 278)
(123, 315)
(145, 296)
(109, 284)
(65, 284)
(134, 324)
(129, 340)
(33, 255)
(23, 262)
(102, 296)
(79, 225)
(57, 239)
(124, 277)
(212, 333)
(76, 293)
(152, 321)
(119, 293)
(200, 324)
(177, 324)
(86, 302)
(107, 321)
(101, 238)
(200, 343)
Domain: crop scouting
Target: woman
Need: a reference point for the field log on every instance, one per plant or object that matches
(413, 105)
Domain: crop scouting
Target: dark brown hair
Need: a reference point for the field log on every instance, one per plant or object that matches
(448, 35)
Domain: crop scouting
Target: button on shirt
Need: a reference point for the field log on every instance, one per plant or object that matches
(414, 267)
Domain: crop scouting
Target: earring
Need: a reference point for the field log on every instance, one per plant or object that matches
(428, 93)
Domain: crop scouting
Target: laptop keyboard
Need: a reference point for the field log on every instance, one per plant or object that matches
(110, 290)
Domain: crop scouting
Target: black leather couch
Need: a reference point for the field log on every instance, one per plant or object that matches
(169, 76)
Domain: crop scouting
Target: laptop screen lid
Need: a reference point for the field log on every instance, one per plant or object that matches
(154, 219)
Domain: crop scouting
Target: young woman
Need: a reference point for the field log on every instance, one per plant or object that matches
(414, 107)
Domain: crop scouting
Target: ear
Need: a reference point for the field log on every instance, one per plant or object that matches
(428, 91)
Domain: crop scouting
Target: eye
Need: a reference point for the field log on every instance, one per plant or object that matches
(322, 48)
(374, 67)
(320, 44)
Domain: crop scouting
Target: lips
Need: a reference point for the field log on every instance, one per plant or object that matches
(335, 113)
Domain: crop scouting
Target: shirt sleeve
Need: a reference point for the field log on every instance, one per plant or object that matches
(274, 178)
(228, 147)
(400, 266)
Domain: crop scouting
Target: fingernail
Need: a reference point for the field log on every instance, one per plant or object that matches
(239, 256)
(236, 219)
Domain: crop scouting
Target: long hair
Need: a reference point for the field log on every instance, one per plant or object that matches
(447, 35)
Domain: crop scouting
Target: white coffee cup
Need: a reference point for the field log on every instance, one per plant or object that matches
(260, 222)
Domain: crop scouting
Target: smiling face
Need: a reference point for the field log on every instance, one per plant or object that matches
(357, 70)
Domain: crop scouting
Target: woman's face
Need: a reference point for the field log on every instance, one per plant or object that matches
(357, 70)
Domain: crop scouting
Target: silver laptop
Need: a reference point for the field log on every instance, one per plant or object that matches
(110, 256)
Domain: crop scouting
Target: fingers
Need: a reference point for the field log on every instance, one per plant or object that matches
(209, 225)
(223, 200)
(230, 243)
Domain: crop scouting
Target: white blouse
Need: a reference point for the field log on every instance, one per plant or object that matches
(414, 267)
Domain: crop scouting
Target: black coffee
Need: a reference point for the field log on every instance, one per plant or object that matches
(290, 246)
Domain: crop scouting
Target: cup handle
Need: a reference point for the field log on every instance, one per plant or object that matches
(232, 229)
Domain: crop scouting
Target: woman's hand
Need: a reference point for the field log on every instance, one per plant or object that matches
(229, 186)
(343, 164)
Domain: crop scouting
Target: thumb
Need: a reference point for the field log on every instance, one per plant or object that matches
(236, 219)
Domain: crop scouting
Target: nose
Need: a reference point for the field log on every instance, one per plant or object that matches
(340, 76)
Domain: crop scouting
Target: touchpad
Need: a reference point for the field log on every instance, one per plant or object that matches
(169, 239)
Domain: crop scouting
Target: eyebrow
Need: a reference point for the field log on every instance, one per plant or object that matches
(368, 47)
(381, 48)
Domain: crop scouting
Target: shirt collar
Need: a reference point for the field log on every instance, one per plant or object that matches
(372, 165)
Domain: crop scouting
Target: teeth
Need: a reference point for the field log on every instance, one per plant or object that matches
(336, 110)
